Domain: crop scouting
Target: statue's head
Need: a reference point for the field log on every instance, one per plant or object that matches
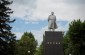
(52, 13)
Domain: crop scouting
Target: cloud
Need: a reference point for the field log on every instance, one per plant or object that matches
(38, 10)
(63, 10)
(18, 35)
(75, 2)
(39, 33)
(23, 9)
(62, 27)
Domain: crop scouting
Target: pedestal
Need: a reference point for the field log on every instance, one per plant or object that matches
(53, 43)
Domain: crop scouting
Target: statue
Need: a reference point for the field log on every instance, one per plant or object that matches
(52, 22)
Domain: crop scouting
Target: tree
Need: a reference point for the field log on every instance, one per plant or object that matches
(82, 46)
(66, 42)
(7, 38)
(39, 50)
(75, 38)
(27, 44)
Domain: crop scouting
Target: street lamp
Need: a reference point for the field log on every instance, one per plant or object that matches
(28, 51)
(69, 54)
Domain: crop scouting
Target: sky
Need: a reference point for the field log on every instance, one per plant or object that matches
(32, 15)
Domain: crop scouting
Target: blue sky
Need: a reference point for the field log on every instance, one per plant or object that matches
(22, 26)
(32, 15)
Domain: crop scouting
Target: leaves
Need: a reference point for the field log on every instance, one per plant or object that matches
(75, 38)
(26, 43)
(40, 50)
(7, 38)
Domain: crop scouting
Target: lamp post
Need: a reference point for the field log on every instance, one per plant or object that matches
(28, 52)
(69, 54)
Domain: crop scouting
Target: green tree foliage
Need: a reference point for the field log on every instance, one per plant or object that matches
(74, 40)
(39, 50)
(7, 38)
(26, 45)
(66, 43)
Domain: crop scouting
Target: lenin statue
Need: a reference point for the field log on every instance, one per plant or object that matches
(52, 22)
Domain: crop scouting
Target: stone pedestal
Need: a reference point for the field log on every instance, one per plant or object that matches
(53, 43)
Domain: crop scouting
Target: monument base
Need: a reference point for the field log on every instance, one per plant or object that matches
(53, 43)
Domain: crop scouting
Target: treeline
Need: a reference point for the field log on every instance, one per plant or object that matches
(7, 38)
(8, 43)
(26, 45)
(73, 40)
